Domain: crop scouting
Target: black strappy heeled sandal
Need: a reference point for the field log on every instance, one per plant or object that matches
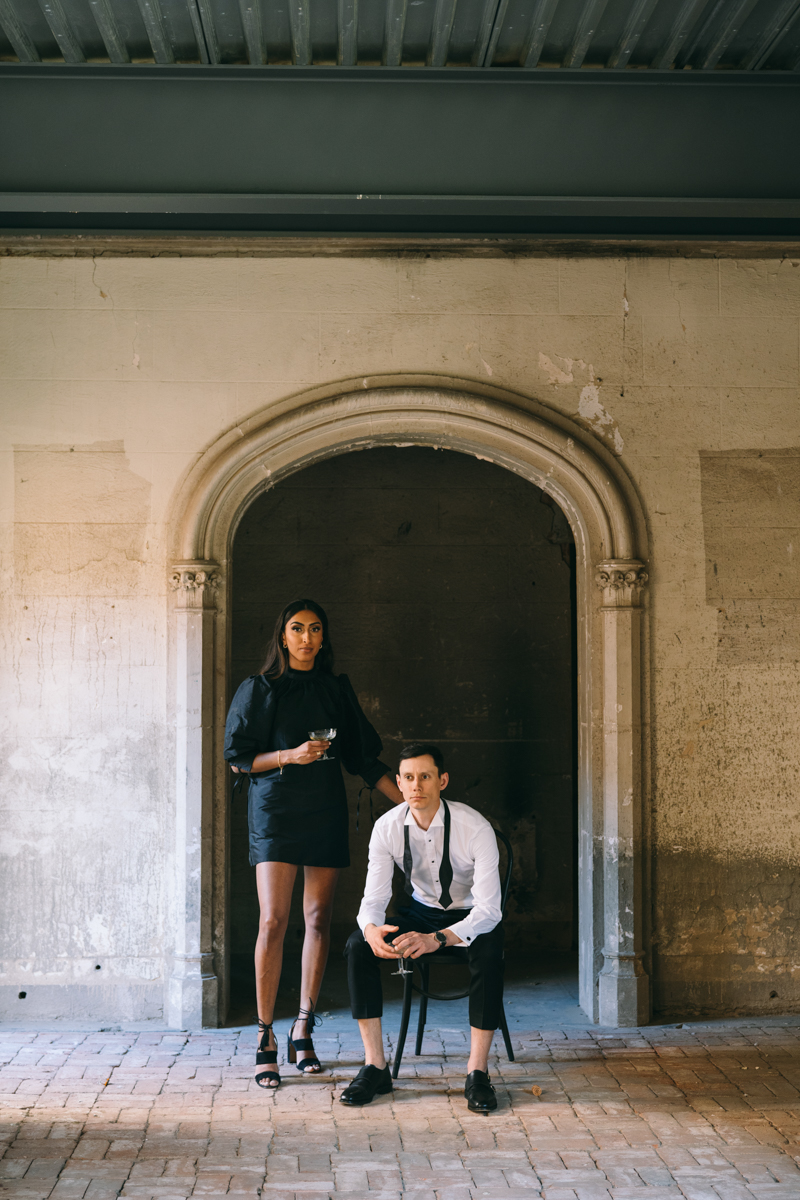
(295, 1044)
(266, 1057)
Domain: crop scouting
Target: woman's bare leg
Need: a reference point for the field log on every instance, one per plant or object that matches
(274, 881)
(318, 892)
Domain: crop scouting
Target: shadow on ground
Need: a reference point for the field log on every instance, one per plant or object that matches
(541, 992)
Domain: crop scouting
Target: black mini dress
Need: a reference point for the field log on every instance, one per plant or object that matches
(300, 815)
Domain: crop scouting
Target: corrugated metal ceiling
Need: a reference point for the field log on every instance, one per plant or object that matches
(703, 35)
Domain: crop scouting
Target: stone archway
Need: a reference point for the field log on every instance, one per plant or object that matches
(600, 504)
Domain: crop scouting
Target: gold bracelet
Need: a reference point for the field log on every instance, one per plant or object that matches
(279, 762)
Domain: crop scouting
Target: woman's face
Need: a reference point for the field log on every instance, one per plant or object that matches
(302, 637)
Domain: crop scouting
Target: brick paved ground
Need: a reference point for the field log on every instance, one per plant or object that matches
(705, 1112)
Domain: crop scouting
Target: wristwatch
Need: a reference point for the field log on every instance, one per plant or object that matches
(440, 937)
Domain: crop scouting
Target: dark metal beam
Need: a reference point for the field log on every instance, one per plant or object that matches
(775, 30)
(638, 17)
(208, 29)
(489, 15)
(541, 20)
(109, 31)
(300, 21)
(682, 26)
(17, 34)
(703, 32)
(587, 28)
(494, 36)
(348, 33)
(548, 206)
(395, 30)
(727, 32)
(197, 30)
(540, 215)
(443, 17)
(409, 149)
(62, 31)
(250, 13)
(156, 31)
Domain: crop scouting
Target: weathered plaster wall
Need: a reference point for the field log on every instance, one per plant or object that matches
(117, 373)
(85, 736)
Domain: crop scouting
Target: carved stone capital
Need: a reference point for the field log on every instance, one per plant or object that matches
(621, 582)
(195, 583)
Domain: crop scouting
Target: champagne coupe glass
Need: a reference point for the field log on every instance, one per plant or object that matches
(323, 735)
(402, 969)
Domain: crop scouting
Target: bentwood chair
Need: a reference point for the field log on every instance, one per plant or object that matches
(448, 956)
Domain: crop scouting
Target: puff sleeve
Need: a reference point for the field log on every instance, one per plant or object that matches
(361, 744)
(248, 729)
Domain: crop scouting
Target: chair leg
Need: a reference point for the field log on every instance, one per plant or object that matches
(401, 1037)
(505, 1033)
(423, 1006)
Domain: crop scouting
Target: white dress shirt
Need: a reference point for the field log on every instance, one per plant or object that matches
(473, 856)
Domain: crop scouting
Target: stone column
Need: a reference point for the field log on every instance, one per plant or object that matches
(624, 998)
(192, 992)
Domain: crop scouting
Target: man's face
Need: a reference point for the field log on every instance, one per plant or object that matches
(420, 782)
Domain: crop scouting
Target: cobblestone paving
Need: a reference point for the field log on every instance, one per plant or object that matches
(700, 1112)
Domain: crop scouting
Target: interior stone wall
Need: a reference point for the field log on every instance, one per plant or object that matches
(118, 372)
(447, 582)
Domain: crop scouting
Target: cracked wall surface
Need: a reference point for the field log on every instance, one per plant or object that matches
(117, 373)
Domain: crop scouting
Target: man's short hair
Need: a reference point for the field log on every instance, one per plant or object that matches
(417, 749)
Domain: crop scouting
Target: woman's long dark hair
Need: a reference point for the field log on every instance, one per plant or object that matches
(277, 659)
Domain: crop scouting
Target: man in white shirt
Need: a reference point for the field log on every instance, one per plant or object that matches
(448, 853)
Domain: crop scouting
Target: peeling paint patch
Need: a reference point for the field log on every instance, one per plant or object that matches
(589, 405)
(600, 419)
(556, 374)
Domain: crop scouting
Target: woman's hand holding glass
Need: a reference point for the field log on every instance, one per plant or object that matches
(310, 751)
(323, 735)
(272, 760)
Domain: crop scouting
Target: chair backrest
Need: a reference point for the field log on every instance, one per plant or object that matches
(505, 882)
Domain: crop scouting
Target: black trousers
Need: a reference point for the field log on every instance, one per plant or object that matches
(484, 957)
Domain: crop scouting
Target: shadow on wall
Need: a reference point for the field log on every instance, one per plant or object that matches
(448, 583)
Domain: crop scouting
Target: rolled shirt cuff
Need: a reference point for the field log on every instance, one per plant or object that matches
(243, 761)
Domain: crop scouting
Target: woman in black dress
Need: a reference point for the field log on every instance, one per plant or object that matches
(297, 806)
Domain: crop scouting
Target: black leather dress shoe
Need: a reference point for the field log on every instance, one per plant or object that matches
(480, 1094)
(368, 1083)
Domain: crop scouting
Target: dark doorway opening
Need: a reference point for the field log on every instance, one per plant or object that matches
(450, 587)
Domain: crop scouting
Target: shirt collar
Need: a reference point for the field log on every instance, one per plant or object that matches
(437, 820)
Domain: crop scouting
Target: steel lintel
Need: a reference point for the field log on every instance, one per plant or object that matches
(516, 151)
